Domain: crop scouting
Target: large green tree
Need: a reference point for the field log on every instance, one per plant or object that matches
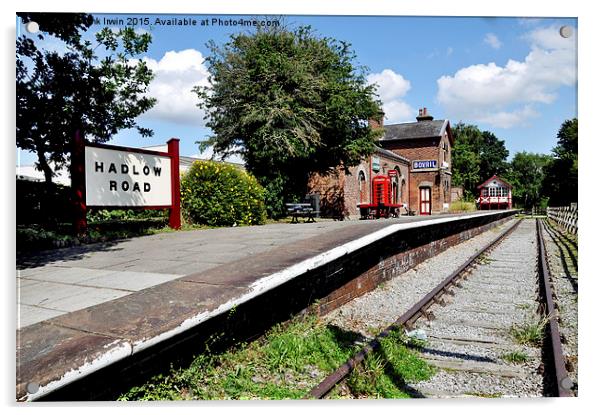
(291, 103)
(59, 93)
(526, 173)
(477, 155)
(561, 175)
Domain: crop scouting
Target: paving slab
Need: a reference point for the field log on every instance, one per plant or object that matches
(147, 314)
(50, 356)
(66, 275)
(29, 315)
(129, 280)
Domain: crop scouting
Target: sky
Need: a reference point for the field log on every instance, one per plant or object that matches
(515, 77)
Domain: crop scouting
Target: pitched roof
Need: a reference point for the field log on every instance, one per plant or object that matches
(496, 178)
(394, 156)
(410, 130)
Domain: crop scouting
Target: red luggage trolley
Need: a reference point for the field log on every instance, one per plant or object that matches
(381, 205)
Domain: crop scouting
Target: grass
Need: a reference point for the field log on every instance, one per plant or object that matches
(516, 356)
(485, 260)
(285, 364)
(383, 374)
(462, 206)
(530, 333)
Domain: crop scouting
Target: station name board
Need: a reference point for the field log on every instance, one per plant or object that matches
(424, 164)
(122, 178)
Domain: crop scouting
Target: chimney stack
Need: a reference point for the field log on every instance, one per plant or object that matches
(379, 122)
(423, 115)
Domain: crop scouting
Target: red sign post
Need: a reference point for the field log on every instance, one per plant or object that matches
(173, 148)
(78, 185)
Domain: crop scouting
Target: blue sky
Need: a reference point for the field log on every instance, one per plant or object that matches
(515, 77)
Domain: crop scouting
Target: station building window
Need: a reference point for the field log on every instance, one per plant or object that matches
(403, 188)
(363, 186)
(398, 191)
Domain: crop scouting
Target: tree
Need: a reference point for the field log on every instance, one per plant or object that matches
(561, 175)
(477, 155)
(466, 168)
(493, 155)
(59, 93)
(526, 174)
(291, 104)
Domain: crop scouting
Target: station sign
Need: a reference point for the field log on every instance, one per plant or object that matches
(424, 164)
(392, 173)
(115, 177)
(375, 163)
(124, 178)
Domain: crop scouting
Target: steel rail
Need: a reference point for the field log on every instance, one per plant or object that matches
(562, 382)
(405, 320)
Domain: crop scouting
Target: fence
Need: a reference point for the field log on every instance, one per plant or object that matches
(565, 216)
(534, 211)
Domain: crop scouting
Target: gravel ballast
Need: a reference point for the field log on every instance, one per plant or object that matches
(470, 338)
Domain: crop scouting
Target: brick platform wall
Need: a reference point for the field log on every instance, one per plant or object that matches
(394, 265)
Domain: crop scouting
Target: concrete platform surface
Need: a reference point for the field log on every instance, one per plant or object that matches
(83, 308)
(57, 282)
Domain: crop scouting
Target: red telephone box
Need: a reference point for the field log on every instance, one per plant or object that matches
(381, 204)
(381, 190)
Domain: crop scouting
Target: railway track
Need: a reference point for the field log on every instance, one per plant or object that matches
(492, 326)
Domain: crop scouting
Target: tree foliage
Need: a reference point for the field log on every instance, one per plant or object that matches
(526, 174)
(290, 103)
(537, 179)
(561, 174)
(477, 155)
(59, 93)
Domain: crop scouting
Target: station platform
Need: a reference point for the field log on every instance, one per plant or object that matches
(84, 308)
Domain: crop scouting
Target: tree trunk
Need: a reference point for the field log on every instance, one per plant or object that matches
(43, 164)
(46, 196)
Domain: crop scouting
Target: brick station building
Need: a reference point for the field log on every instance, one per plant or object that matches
(417, 158)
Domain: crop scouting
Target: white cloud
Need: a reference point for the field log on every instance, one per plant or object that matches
(450, 50)
(390, 84)
(549, 38)
(391, 88)
(506, 96)
(176, 73)
(492, 40)
(508, 119)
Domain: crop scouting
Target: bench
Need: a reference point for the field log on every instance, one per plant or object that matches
(303, 210)
(309, 209)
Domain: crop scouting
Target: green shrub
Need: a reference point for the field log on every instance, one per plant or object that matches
(217, 194)
(105, 215)
(41, 203)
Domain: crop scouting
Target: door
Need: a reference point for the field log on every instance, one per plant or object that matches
(425, 200)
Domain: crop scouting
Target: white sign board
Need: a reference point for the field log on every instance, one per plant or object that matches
(122, 178)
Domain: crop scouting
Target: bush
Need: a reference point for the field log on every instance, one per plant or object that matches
(217, 194)
(105, 215)
(34, 238)
(462, 206)
(41, 203)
